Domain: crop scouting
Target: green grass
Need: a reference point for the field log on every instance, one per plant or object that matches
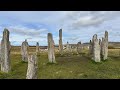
(67, 67)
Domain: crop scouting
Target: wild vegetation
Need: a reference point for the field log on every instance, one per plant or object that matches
(67, 67)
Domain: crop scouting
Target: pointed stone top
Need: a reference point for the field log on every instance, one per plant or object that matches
(67, 42)
(49, 33)
(95, 36)
(106, 31)
(79, 42)
(103, 38)
(61, 29)
(5, 29)
(37, 43)
(25, 40)
(90, 41)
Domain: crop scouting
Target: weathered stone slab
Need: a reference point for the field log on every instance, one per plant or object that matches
(104, 47)
(90, 48)
(32, 67)
(51, 51)
(24, 51)
(5, 52)
(37, 48)
(60, 42)
(96, 49)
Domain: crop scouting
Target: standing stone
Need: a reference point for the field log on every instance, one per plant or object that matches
(51, 52)
(5, 52)
(68, 49)
(92, 43)
(60, 42)
(79, 47)
(96, 49)
(100, 43)
(104, 46)
(37, 48)
(24, 51)
(32, 67)
(103, 49)
(106, 36)
(90, 48)
(67, 46)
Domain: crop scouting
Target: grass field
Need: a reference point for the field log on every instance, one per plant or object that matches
(67, 67)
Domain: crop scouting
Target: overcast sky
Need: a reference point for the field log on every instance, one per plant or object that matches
(76, 25)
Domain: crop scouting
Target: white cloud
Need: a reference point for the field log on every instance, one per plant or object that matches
(87, 21)
(21, 30)
(63, 18)
(19, 33)
(77, 20)
(76, 25)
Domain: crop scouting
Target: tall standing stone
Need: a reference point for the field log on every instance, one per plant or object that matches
(32, 67)
(103, 49)
(51, 51)
(100, 43)
(37, 48)
(24, 51)
(60, 42)
(104, 46)
(96, 49)
(92, 46)
(5, 52)
(106, 36)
